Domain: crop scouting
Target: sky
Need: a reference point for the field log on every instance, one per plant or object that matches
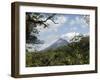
(68, 26)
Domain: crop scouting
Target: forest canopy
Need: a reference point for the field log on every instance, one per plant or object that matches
(75, 53)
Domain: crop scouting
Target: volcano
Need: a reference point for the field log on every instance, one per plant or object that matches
(60, 42)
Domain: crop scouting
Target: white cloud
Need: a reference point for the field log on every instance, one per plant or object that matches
(70, 35)
(78, 21)
(82, 22)
(60, 19)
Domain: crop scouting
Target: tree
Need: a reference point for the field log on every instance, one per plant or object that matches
(86, 19)
(80, 49)
(32, 21)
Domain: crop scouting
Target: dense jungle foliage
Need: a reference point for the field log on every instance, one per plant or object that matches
(74, 53)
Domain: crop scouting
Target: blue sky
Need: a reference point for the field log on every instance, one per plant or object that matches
(68, 26)
(67, 23)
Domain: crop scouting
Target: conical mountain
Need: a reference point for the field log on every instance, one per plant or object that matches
(60, 42)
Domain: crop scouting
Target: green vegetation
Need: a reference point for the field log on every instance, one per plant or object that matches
(32, 21)
(74, 53)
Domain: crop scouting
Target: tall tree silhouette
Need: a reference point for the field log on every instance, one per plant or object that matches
(32, 21)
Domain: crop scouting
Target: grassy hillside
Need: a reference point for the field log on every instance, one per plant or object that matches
(75, 53)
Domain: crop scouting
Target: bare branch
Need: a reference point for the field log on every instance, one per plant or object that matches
(53, 21)
(50, 17)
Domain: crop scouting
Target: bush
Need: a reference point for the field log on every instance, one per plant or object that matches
(75, 53)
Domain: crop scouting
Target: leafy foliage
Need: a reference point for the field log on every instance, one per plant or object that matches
(32, 21)
(75, 53)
